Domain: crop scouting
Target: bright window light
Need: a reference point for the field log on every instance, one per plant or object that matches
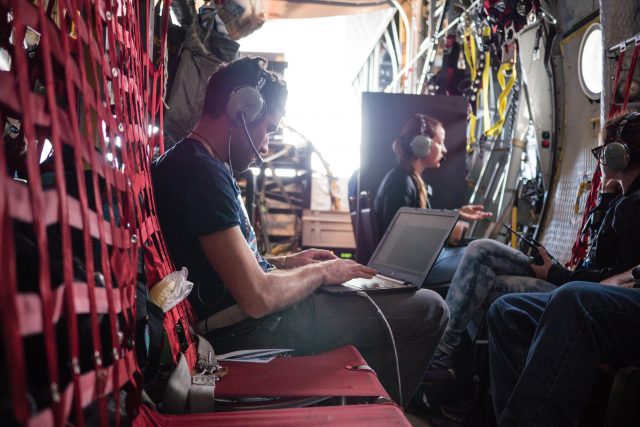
(46, 150)
(5, 60)
(324, 56)
(590, 62)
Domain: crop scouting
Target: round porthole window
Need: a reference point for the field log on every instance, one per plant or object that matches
(590, 62)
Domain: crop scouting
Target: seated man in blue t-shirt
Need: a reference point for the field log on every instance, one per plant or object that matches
(246, 301)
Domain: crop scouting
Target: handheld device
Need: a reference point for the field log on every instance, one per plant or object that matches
(534, 245)
(636, 277)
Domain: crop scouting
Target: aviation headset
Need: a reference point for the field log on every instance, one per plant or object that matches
(246, 104)
(247, 99)
(420, 144)
(616, 155)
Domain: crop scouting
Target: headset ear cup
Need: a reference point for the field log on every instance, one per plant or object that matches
(421, 145)
(245, 99)
(616, 156)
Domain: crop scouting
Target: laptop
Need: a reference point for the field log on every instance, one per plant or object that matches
(406, 253)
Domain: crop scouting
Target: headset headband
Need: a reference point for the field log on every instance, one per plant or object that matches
(423, 124)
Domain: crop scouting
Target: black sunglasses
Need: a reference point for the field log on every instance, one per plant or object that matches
(597, 152)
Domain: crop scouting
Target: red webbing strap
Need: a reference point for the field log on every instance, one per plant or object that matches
(36, 204)
(581, 244)
(87, 385)
(71, 87)
(92, 67)
(67, 250)
(632, 68)
(13, 347)
(613, 107)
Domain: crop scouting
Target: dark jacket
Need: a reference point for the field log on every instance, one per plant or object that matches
(396, 190)
(616, 245)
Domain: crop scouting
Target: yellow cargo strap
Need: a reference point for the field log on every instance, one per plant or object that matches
(514, 225)
(485, 91)
(505, 69)
(486, 74)
(470, 54)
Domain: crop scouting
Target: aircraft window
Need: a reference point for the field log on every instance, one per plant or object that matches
(590, 62)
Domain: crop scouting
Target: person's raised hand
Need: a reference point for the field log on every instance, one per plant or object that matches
(473, 212)
(308, 256)
(339, 271)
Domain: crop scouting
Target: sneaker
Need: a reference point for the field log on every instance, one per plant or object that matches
(440, 370)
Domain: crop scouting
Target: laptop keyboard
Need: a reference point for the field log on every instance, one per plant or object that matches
(375, 282)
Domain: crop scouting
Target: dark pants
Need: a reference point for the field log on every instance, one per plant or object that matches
(445, 266)
(323, 322)
(545, 349)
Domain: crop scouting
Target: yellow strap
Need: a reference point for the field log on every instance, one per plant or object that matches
(470, 54)
(485, 91)
(506, 86)
(471, 138)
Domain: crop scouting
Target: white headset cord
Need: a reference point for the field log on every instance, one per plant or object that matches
(393, 341)
(229, 150)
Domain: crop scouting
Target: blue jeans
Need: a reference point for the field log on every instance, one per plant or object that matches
(445, 266)
(487, 270)
(545, 349)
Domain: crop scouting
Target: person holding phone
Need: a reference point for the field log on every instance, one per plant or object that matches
(489, 269)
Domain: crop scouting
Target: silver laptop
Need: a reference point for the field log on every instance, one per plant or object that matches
(406, 252)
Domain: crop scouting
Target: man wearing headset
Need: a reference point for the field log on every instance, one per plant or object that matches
(241, 299)
(545, 348)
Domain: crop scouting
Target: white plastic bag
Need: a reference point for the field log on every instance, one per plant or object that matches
(172, 289)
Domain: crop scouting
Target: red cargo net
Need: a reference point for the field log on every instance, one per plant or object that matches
(76, 75)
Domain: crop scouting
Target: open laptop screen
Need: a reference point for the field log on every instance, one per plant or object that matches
(412, 243)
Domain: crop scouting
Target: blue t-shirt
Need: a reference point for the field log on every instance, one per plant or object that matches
(196, 195)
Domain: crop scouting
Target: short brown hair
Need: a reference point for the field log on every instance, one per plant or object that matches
(243, 72)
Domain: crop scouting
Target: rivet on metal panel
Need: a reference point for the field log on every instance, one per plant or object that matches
(55, 392)
(121, 127)
(134, 239)
(108, 15)
(100, 279)
(114, 71)
(75, 365)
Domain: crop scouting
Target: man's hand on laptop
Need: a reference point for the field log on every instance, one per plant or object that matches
(338, 271)
(308, 256)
